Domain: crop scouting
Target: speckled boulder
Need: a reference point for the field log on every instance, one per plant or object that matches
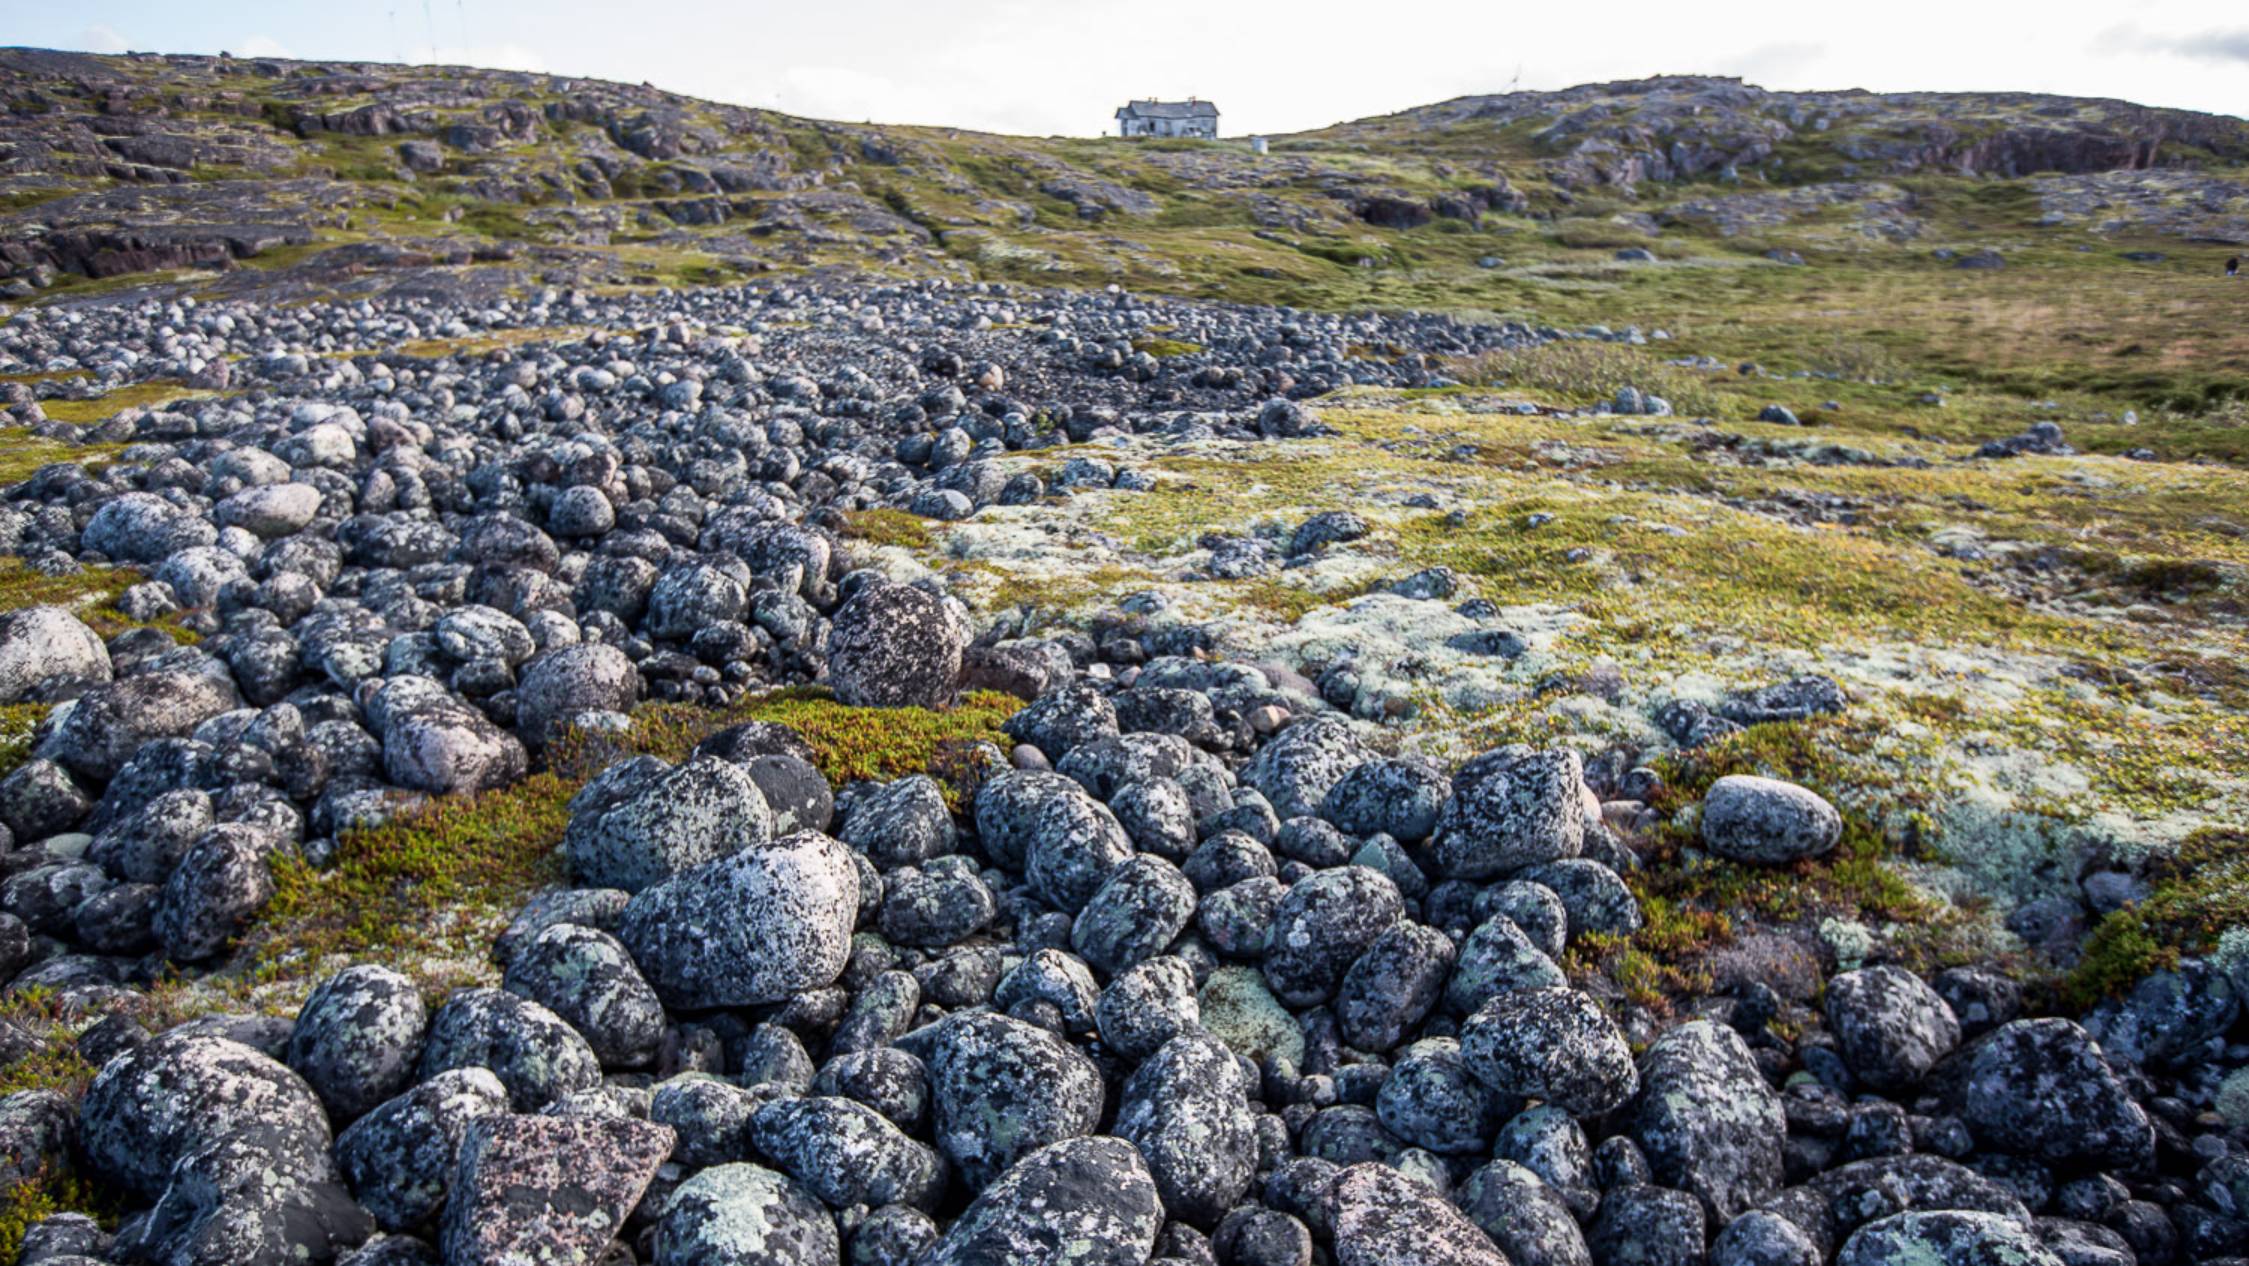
(108, 725)
(1141, 905)
(550, 1190)
(1764, 820)
(179, 1092)
(533, 1052)
(1393, 985)
(1397, 798)
(1707, 1120)
(357, 1038)
(1510, 810)
(1949, 1237)
(1298, 767)
(1187, 1110)
(1432, 1100)
(1524, 1216)
(2042, 1088)
(900, 823)
(1384, 1218)
(586, 977)
(1593, 896)
(1002, 1089)
(744, 1215)
(1890, 1027)
(1498, 959)
(894, 646)
(1641, 1225)
(570, 680)
(656, 827)
(1148, 1006)
(39, 644)
(1322, 925)
(1067, 716)
(755, 927)
(1087, 1201)
(846, 1153)
(1554, 1044)
(1764, 1238)
(1046, 825)
(219, 886)
(399, 1157)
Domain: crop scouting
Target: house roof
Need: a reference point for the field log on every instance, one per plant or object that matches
(1169, 110)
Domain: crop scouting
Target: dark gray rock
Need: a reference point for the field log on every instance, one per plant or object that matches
(744, 1215)
(755, 927)
(1746, 818)
(358, 1037)
(1511, 810)
(894, 646)
(1088, 1201)
(1707, 1120)
(1554, 1044)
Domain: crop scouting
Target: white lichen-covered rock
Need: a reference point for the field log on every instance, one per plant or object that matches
(40, 644)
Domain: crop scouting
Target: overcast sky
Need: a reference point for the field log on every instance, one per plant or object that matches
(1062, 66)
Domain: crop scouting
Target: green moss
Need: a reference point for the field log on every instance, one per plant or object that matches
(101, 408)
(434, 882)
(91, 593)
(2196, 893)
(1165, 348)
(50, 1191)
(18, 721)
(884, 526)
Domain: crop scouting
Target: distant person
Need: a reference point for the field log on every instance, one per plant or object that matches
(2233, 266)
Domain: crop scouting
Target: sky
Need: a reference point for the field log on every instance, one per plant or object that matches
(1047, 67)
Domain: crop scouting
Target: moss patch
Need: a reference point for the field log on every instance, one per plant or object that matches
(885, 526)
(101, 408)
(435, 882)
(2196, 894)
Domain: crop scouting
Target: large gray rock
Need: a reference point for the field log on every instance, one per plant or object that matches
(533, 1051)
(546, 1189)
(106, 726)
(358, 1037)
(40, 644)
(141, 527)
(1706, 1119)
(1001, 1089)
(2042, 1088)
(1554, 1044)
(1297, 769)
(755, 927)
(1384, 1218)
(1511, 810)
(179, 1092)
(674, 821)
(894, 646)
(570, 680)
(1323, 923)
(1187, 1110)
(744, 1215)
(846, 1153)
(1948, 1237)
(585, 976)
(1764, 820)
(1524, 1216)
(1890, 1027)
(270, 510)
(399, 1157)
(445, 746)
(1085, 1201)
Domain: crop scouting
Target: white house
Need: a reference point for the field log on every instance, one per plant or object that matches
(1169, 118)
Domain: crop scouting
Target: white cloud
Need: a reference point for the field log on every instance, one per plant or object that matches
(260, 46)
(102, 39)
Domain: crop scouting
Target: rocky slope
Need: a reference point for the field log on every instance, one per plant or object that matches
(917, 772)
(302, 179)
